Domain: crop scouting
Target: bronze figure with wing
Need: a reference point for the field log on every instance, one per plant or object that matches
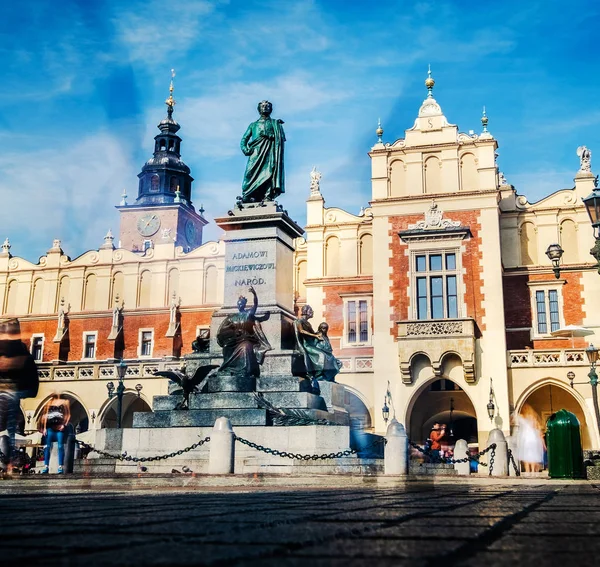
(189, 384)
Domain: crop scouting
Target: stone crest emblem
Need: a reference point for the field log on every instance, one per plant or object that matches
(434, 220)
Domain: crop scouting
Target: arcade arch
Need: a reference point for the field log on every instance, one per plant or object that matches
(79, 414)
(548, 396)
(131, 404)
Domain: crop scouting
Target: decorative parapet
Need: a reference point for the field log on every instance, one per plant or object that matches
(436, 339)
(357, 364)
(101, 370)
(537, 358)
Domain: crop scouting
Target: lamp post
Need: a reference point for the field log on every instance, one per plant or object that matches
(385, 410)
(592, 354)
(121, 371)
(451, 431)
(491, 408)
(555, 252)
(592, 204)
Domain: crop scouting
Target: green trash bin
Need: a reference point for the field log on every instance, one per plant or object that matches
(563, 437)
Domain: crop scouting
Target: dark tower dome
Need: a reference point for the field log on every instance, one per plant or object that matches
(165, 179)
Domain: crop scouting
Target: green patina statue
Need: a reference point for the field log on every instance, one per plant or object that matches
(263, 144)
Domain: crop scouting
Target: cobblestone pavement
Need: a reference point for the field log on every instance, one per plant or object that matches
(419, 524)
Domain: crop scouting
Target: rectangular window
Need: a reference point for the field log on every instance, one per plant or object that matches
(37, 348)
(89, 346)
(146, 343)
(357, 324)
(351, 321)
(436, 286)
(364, 321)
(540, 299)
(554, 315)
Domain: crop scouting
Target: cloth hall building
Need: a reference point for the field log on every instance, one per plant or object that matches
(439, 295)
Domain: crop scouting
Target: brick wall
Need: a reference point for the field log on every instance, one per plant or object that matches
(471, 262)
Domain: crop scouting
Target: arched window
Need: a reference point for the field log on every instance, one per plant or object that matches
(433, 177)
(398, 179)
(468, 173)
(63, 292)
(568, 241)
(173, 285)
(174, 183)
(37, 296)
(145, 290)
(301, 277)
(163, 145)
(10, 305)
(171, 145)
(155, 183)
(332, 256)
(210, 285)
(529, 255)
(365, 251)
(89, 301)
(117, 289)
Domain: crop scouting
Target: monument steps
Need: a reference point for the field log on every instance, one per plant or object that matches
(431, 469)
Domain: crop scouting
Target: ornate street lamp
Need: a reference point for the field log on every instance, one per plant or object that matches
(592, 204)
(555, 252)
(592, 354)
(450, 430)
(491, 408)
(121, 372)
(385, 411)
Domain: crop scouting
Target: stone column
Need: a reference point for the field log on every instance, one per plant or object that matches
(460, 452)
(501, 455)
(222, 448)
(396, 449)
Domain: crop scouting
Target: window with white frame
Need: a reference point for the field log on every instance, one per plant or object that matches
(435, 276)
(357, 321)
(546, 309)
(37, 347)
(89, 345)
(146, 342)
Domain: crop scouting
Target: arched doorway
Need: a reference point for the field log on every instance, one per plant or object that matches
(131, 404)
(445, 402)
(79, 415)
(548, 398)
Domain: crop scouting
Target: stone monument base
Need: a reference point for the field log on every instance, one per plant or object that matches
(311, 439)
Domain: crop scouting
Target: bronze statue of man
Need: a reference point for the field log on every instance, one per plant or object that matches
(263, 143)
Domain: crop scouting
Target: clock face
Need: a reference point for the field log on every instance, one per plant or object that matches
(190, 232)
(148, 224)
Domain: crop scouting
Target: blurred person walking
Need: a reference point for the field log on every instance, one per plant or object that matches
(55, 417)
(530, 440)
(18, 379)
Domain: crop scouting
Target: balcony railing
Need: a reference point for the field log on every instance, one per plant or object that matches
(437, 328)
(101, 370)
(549, 357)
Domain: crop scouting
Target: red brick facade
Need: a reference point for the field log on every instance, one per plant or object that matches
(471, 262)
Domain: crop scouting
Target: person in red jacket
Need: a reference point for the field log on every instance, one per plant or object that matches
(438, 432)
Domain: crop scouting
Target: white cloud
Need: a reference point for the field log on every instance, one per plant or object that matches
(65, 192)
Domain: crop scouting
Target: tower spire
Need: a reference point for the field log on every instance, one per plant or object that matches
(429, 82)
(170, 102)
(484, 120)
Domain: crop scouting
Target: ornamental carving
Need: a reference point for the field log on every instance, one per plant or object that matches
(434, 328)
(434, 220)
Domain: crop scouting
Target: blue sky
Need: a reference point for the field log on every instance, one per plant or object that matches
(84, 84)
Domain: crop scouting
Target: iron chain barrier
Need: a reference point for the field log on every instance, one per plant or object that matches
(491, 449)
(126, 457)
(301, 457)
(511, 458)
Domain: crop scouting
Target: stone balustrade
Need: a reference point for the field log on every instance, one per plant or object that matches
(547, 357)
(101, 370)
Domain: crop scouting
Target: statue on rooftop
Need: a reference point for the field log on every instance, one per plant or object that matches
(263, 143)
(585, 159)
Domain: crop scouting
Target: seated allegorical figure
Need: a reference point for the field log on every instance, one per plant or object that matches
(314, 355)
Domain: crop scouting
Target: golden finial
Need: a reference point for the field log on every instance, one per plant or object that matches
(170, 102)
(429, 82)
(379, 131)
(484, 120)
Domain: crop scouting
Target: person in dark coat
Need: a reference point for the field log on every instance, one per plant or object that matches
(18, 379)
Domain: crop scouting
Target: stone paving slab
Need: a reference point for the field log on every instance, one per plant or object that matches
(417, 523)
